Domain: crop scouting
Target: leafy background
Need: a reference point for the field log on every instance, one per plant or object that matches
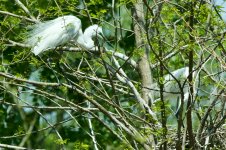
(170, 34)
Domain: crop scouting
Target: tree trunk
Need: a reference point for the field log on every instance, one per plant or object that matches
(143, 63)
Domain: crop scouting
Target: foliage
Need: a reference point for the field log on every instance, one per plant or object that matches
(79, 99)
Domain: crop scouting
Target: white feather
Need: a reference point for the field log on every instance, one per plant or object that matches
(50, 34)
(171, 87)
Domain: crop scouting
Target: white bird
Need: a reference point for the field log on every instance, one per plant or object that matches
(171, 89)
(50, 34)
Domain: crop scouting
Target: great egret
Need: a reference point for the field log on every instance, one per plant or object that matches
(172, 92)
(50, 34)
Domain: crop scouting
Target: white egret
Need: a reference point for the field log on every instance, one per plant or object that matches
(50, 34)
(171, 90)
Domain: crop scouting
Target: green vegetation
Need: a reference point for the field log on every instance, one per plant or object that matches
(115, 97)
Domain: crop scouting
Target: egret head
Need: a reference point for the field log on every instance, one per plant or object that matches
(94, 31)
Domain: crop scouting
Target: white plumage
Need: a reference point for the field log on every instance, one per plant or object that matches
(50, 34)
(171, 88)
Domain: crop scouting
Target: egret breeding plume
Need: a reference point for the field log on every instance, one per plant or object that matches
(50, 34)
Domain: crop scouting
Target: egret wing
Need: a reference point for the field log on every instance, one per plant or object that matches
(53, 33)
